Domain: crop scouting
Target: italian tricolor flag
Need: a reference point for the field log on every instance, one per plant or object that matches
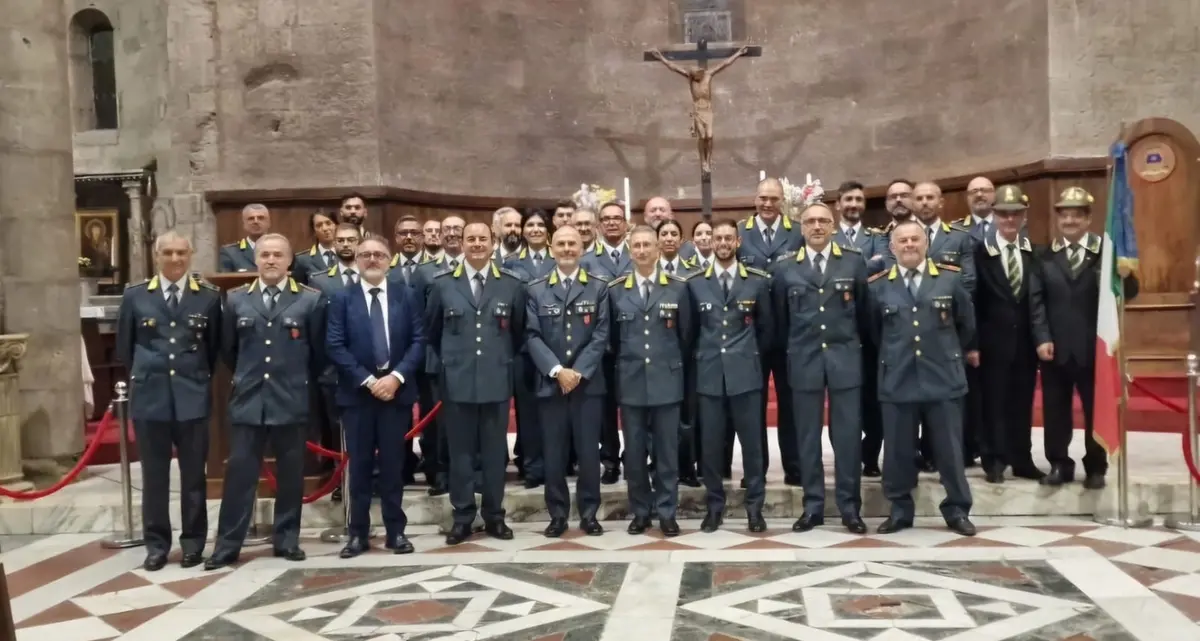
(1119, 255)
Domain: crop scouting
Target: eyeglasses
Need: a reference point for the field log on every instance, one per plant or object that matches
(409, 232)
(372, 256)
(813, 222)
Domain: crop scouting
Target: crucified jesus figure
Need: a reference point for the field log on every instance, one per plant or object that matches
(700, 80)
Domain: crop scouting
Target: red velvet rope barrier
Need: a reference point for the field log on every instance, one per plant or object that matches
(1188, 455)
(105, 423)
(343, 460)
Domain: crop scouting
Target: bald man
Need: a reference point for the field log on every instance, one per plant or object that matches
(239, 256)
(981, 197)
(657, 210)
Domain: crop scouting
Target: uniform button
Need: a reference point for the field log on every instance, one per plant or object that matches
(646, 318)
(722, 350)
(171, 357)
(568, 312)
(821, 308)
(478, 339)
(267, 359)
(647, 361)
(478, 325)
(647, 345)
(822, 328)
(266, 376)
(568, 338)
(647, 332)
(171, 340)
(479, 312)
(918, 352)
(820, 290)
(172, 323)
(917, 339)
(268, 323)
(727, 308)
(268, 341)
(724, 336)
(172, 372)
(725, 323)
(479, 352)
(916, 324)
(914, 309)
(568, 353)
(824, 346)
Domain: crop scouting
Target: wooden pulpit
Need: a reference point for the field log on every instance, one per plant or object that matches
(218, 426)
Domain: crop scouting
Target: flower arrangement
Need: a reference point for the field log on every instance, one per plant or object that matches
(797, 197)
(85, 262)
(592, 196)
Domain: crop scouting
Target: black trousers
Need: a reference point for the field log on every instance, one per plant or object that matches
(713, 415)
(434, 459)
(942, 421)
(1059, 382)
(376, 428)
(477, 432)
(574, 418)
(775, 366)
(872, 419)
(643, 426)
(190, 441)
(689, 435)
(973, 421)
(610, 431)
(329, 423)
(529, 423)
(247, 445)
(1009, 381)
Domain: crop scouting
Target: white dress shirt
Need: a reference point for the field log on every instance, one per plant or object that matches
(718, 271)
(918, 277)
(933, 229)
(387, 327)
(1004, 245)
(824, 253)
(676, 267)
(181, 284)
(763, 227)
(704, 261)
(857, 227)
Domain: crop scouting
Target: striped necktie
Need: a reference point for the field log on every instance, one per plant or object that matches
(1014, 269)
(1075, 259)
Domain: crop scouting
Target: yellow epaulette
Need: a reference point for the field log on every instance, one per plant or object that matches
(600, 277)
(141, 284)
(616, 281)
(877, 275)
(207, 285)
(959, 227)
(678, 278)
(949, 268)
(245, 287)
(308, 287)
(760, 272)
(850, 248)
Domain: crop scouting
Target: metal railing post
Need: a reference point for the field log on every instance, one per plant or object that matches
(120, 406)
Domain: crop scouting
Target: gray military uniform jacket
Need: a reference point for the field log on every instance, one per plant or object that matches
(236, 257)
(309, 262)
(921, 339)
(732, 331)
(822, 318)
(952, 245)
(273, 354)
(568, 329)
(170, 353)
(475, 342)
(649, 339)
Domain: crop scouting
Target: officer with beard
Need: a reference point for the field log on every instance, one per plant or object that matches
(408, 255)
(353, 210)
(508, 230)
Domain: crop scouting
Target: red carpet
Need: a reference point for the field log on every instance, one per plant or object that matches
(1145, 414)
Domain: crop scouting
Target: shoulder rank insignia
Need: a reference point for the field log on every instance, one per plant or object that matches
(956, 226)
(618, 280)
(966, 221)
(846, 248)
(138, 284)
(1025, 246)
(443, 272)
(237, 244)
(496, 271)
(948, 267)
(241, 289)
(551, 278)
(877, 275)
(755, 270)
(1093, 243)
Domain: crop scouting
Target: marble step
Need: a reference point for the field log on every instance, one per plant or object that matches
(1151, 494)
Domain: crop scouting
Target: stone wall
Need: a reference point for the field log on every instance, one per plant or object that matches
(1116, 60)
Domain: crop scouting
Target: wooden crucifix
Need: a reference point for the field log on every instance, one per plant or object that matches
(700, 81)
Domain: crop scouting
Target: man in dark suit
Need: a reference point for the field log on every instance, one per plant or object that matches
(567, 327)
(981, 196)
(767, 237)
(872, 246)
(923, 321)
(239, 256)
(476, 317)
(820, 307)
(610, 260)
(651, 313)
(168, 335)
(343, 274)
(323, 253)
(273, 339)
(376, 338)
(1071, 269)
(734, 326)
(1013, 336)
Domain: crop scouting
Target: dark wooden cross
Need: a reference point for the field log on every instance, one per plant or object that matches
(701, 55)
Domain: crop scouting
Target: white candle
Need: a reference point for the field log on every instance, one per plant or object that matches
(627, 216)
(762, 175)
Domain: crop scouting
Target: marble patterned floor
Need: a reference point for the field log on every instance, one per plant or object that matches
(1021, 579)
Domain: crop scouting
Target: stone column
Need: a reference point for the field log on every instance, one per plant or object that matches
(12, 349)
(37, 219)
(137, 232)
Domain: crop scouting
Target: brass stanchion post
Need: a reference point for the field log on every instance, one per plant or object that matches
(1190, 522)
(121, 414)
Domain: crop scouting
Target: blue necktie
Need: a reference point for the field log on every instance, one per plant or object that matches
(379, 330)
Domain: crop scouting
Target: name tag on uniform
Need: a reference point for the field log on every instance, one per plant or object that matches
(943, 304)
(293, 328)
(502, 313)
(150, 322)
(667, 311)
(746, 307)
(950, 258)
(846, 288)
(585, 309)
(705, 307)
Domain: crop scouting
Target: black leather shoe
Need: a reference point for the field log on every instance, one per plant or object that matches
(872, 471)
(711, 523)
(669, 527)
(218, 561)
(611, 475)
(294, 554)
(532, 483)
(354, 547)
(854, 524)
(336, 494)
(689, 480)
(458, 533)
(792, 481)
(638, 525)
(962, 525)
(1093, 482)
(191, 559)
(1059, 475)
(891, 525)
(155, 561)
(1030, 472)
(994, 473)
(807, 522)
(399, 544)
(498, 530)
(437, 489)
(756, 522)
(557, 528)
(591, 527)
